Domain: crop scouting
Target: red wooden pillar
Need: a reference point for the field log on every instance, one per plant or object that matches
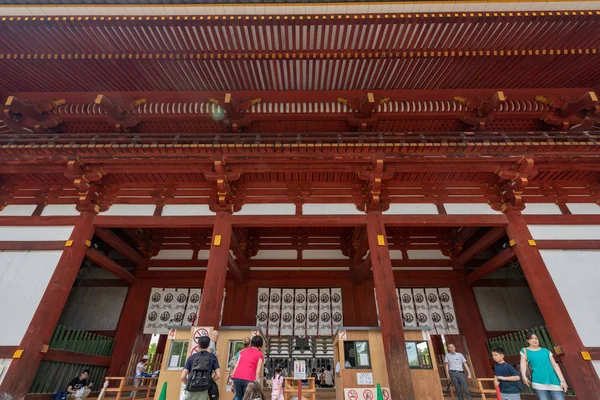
(348, 305)
(129, 327)
(216, 272)
(162, 344)
(582, 375)
(472, 328)
(22, 371)
(389, 312)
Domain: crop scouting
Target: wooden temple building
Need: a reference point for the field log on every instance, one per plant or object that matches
(369, 150)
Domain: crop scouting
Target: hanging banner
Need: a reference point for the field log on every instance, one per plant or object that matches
(325, 312)
(287, 313)
(421, 308)
(274, 312)
(192, 308)
(337, 311)
(407, 308)
(262, 310)
(448, 309)
(154, 309)
(435, 312)
(181, 299)
(312, 325)
(300, 313)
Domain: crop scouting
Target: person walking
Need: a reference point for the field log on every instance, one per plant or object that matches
(248, 367)
(231, 365)
(198, 372)
(277, 385)
(547, 380)
(506, 377)
(456, 366)
(328, 377)
(214, 338)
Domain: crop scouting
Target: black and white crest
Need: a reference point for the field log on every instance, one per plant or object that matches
(444, 297)
(313, 298)
(435, 317)
(152, 316)
(168, 297)
(274, 317)
(194, 298)
(337, 317)
(288, 298)
(300, 318)
(178, 317)
(422, 318)
(300, 298)
(336, 298)
(408, 318)
(263, 297)
(449, 317)
(419, 298)
(325, 317)
(181, 298)
(191, 318)
(156, 297)
(406, 298)
(287, 317)
(313, 317)
(262, 317)
(275, 298)
(432, 297)
(165, 316)
(324, 298)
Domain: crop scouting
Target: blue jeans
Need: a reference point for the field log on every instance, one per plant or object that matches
(549, 394)
(240, 385)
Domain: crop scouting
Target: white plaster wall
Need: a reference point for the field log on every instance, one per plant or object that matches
(173, 210)
(469, 209)
(18, 210)
(584, 208)
(60, 209)
(395, 255)
(132, 210)
(411, 209)
(267, 209)
(330, 209)
(174, 255)
(35, 233)
(4, 365)
(596, 364)
(541, 209)
(507, 308)
(426, 255)
(576, 274)
(565, 232)
(323, 255)
(276, 255)
(94, 308)
(24, 276)
(205, 254)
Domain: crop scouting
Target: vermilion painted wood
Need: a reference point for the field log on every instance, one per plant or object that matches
(130, 325)
(118, 244)
(481, 245)
(389, 312)
(103, 261)
(582, 374)
(568, 244)
(216, 272)
(234, 269)
(8, 351)
(50, 245)
(491, 265)
(444, 220)
(22, 371)
(500, 283)
(38, 221)
(154, 222)
(76, 358)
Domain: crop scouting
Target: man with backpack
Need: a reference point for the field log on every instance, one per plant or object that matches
(198, 373)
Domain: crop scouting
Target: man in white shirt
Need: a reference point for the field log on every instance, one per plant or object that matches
(456, 367)
(214, 338)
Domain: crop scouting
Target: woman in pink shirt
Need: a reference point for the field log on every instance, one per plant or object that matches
(248, 367)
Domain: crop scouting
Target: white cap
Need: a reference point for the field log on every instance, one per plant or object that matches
(145, 357)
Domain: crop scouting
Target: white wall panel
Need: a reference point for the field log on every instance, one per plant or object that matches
(576, 274)
(426, 255)
(94, 308)
(268, 209)
(396, 254)
(584, 208)
(132, 210)
(470, 209)
(276, 255)
(18, 210)
(596, 364)
(173, 210)
(4, 365)
(507, 308)
(541, 209)
(35, 233)
(24, 277)
(174, 255)
(330, 209)
(323, 255)
(411, 208)
(205, 254)
(565, 232)
(60, 209)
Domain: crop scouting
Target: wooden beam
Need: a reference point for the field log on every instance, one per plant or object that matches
(493, 264)
(481, 245)
(500, 283)
(363, 270)
(568, 244)
(50, 245)
(444, 220)
(154, 222)
(102, 283)
(38, 221)
(56, 355)
(8, 351)
(300, 264)
(103, 261)
(235, 270)
(236, 247)
(119, 245)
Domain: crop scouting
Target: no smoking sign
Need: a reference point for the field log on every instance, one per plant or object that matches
(368, 395)
(353, 395)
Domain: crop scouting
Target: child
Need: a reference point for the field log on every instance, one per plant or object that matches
(277, 384)
(254, 392)
(506, 376)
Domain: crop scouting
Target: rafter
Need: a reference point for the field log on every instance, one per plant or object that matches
(103, 261)
(491, 237)
(234, 268)
(119, 245)
(493, 264)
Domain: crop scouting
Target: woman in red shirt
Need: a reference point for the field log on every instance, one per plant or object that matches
(248, 367)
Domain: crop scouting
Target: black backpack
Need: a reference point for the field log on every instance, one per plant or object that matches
(200, 377)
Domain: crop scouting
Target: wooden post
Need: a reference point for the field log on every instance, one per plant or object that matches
(471, 327)
(130, 325)
(216, 272)
(389, 312)
(22, 371)
(582, 375)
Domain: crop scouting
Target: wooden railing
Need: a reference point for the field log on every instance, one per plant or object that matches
(79, 341)
(53, 376)
(484, 387)
(128, 388)
(512, 343)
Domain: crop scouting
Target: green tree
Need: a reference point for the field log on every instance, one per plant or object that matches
(151, 352)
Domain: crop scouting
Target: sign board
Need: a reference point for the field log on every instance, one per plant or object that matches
(197, 333)
(171, 334)
(342, 335)
(365, 393)
(300, 369)
(364, 378)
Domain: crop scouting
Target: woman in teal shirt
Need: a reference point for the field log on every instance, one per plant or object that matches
(547, 380)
